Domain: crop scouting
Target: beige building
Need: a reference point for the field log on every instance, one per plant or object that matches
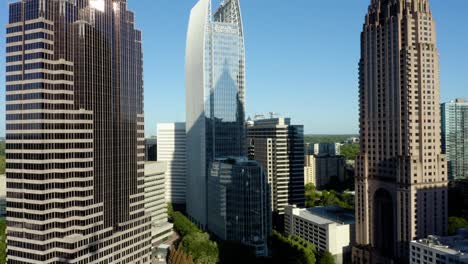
(155, 202)
(279, 147)
(320, 170)
(401, 175)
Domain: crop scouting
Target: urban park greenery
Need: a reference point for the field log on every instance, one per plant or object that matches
(326, 198)
(194, 241)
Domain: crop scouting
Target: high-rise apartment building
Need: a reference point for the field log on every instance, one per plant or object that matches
(239, 203)
(455, 138)
(279, 147)
(75, 134)
(321, 170)
(215, 94)
(171, 148)
(401, 175)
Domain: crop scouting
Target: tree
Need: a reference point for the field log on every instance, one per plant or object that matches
(199, 246)
(291, 250)
(327, 258)
(3, 241)
(350, 151)
(455, 223)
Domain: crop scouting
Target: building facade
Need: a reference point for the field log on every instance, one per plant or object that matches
(151, 149)
(440, 250)
(331, 149)
(279, 147)
(239, 203)
(327, 228)
(172, 150)
(455, 138)
(75, 131)
(321, 170)
(215, 95)
(401, 174)
(155, 202)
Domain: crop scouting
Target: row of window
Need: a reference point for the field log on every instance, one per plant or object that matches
(48, 146)
(49, 166)
(43, 126)
(39, 65)
(35, 96)
(48, 136)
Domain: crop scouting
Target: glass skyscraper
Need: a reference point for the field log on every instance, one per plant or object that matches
(455, 138)
(75, 133)
(239, 203)
(215, 83)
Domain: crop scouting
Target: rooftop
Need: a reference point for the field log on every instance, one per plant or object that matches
(453, 245)
(328, 215)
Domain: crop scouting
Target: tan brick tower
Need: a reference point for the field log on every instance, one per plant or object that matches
(401, 182)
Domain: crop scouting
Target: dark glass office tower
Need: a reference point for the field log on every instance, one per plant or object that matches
(239, 203)
(215, 79)
(75, 134)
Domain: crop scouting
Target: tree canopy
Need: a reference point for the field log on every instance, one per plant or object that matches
(291, 250)
(455, 223)
(326, 198)
(350, 151)
(3, 241)
(327, 258)
(195, 242)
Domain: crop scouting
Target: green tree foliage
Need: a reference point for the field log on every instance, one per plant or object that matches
(455, 223)
(326, 198)
(2, 164)
(202, 249)
(195, 242)
(327, 258)
(2, 148)
(350, 151)
(291, 250)
(313, 139)
(2, 241)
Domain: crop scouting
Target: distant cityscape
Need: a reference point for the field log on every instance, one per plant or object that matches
(80, 183)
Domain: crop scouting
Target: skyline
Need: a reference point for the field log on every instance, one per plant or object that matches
(302, 65)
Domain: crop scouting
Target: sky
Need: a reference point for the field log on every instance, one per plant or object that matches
(301, 58)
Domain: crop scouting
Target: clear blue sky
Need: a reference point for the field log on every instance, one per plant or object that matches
(302, 58)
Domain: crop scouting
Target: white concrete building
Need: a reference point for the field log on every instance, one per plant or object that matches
(329, 228)
(155, 202)
(440, 250)
(171, 148)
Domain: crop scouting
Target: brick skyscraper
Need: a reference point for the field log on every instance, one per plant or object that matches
(401, 182)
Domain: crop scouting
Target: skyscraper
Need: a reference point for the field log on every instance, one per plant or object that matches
(279, 147)
(75, 134)
(455, 138)
(239, 202)
(401, 175)
(215, 79)
(172, 150)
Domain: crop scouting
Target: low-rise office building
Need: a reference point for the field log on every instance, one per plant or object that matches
(329, 228)
(440, 250)
(155, 202)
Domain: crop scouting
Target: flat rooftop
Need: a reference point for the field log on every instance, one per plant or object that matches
(328, 215)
